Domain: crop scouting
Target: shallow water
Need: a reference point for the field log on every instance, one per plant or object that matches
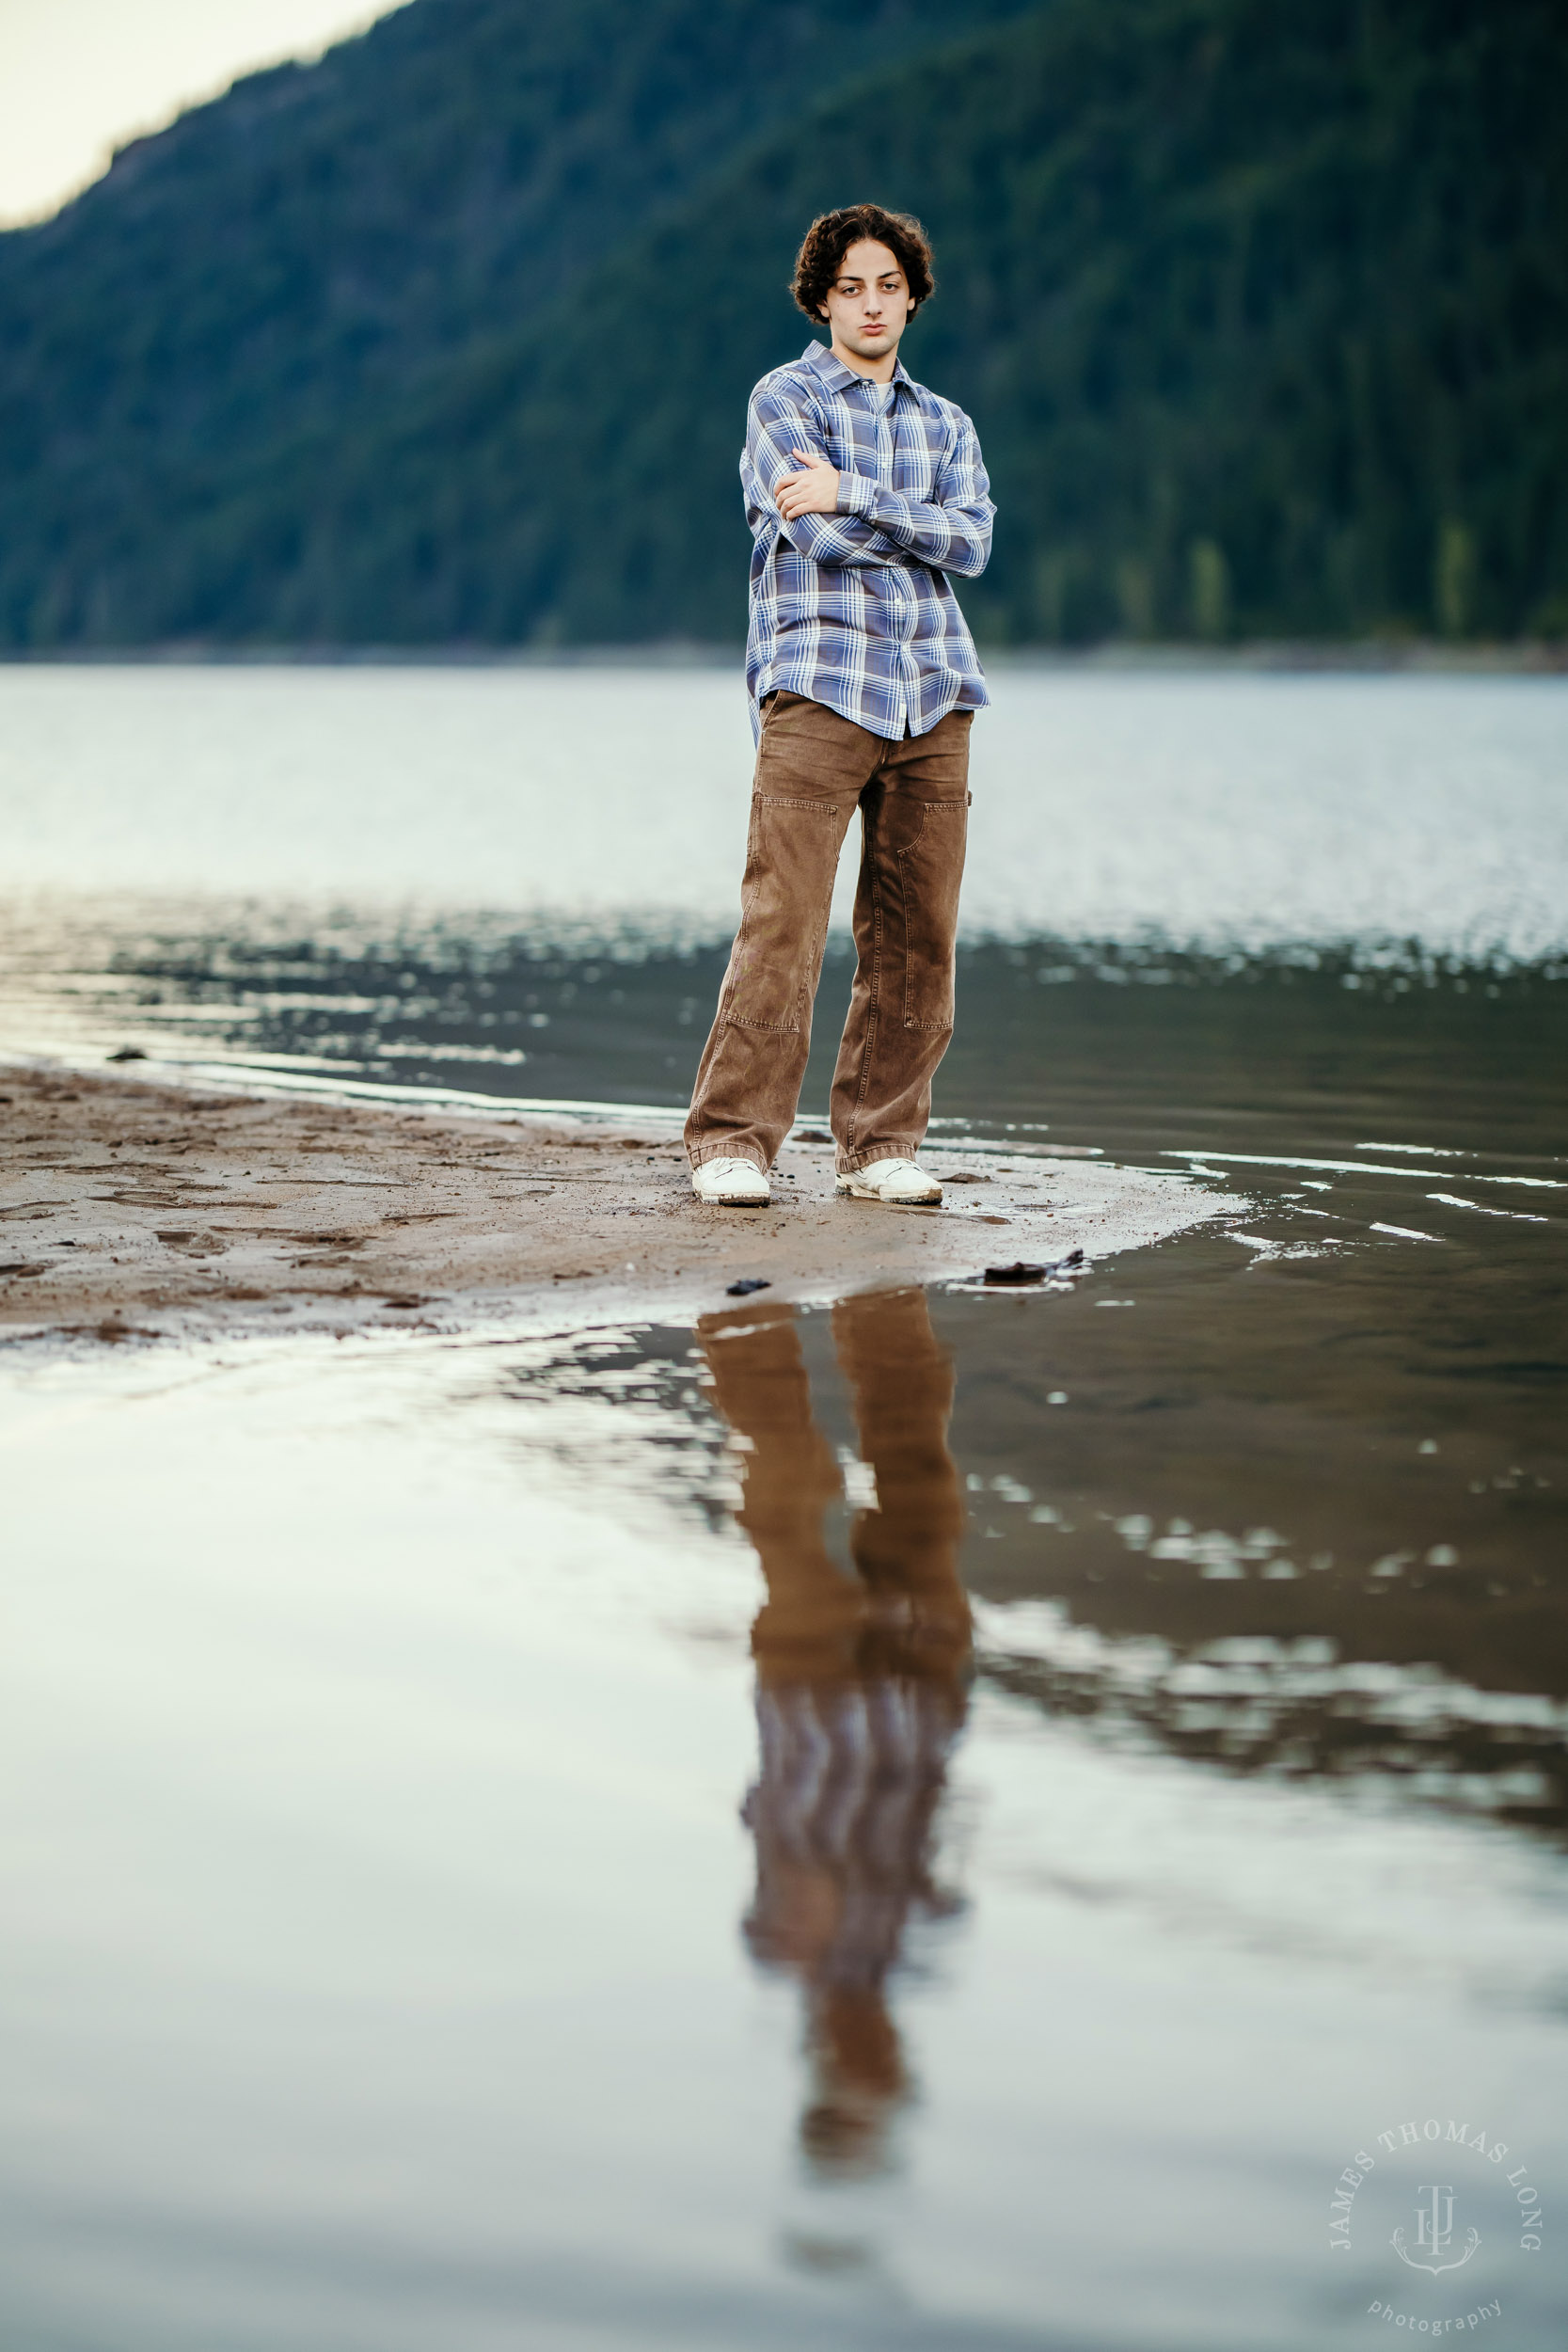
(1218, 813)
(505, 1842)
(935, 1822)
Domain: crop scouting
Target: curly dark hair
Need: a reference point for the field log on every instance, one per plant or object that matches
(832, 234)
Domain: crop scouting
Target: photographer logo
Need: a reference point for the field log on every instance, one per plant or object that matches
(1435, 2233)
(1445, 2199)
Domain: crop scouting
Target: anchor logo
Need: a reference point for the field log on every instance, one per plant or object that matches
(1435, 2233)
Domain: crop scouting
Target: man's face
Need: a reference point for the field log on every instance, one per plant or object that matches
(868, 303)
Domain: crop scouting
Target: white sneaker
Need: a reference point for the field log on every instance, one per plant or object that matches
(898, 1182)
(731, 1185)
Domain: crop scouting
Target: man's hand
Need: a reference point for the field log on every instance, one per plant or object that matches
(812, 491)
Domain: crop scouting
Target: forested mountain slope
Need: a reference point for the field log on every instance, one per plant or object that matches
(441, 176)
(327, 235)
(1262, 315)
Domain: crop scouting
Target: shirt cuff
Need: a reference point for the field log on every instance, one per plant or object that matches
(855, 493)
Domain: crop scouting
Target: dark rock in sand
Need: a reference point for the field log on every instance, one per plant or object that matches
(1021, 1271)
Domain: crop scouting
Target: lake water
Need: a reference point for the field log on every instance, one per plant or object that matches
(938, 1823)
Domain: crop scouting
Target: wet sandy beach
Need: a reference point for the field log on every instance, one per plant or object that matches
(134, 1208)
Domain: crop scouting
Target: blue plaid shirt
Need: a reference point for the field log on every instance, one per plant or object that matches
(853, 609)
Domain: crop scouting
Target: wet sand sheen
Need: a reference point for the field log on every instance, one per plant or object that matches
(129, 1207)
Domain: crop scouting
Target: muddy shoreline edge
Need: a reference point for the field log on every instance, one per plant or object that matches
(133, 1208)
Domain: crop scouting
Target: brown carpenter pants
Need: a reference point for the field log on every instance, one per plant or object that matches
(813, 771)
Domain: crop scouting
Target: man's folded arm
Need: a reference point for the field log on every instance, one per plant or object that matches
(775, 429)
(950, 531)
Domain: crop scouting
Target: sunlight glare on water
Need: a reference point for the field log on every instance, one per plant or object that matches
(1211, 812)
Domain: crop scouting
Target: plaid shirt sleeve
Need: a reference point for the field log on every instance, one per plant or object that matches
(776, 427)
(951, 530)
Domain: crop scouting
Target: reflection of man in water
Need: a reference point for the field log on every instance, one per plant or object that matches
(860, 1682)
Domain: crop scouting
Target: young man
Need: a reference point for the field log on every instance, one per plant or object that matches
(862, 491)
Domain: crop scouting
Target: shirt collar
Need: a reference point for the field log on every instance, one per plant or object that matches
(834, 372)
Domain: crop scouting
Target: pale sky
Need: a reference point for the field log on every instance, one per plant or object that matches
(80, 77)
